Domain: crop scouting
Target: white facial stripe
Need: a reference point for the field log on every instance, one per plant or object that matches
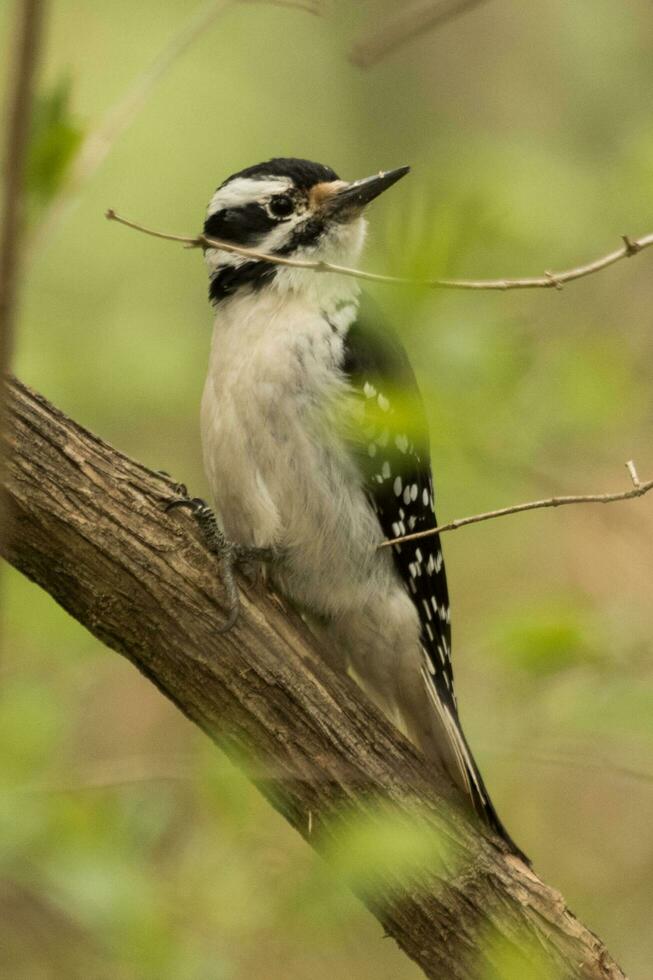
(245, 190)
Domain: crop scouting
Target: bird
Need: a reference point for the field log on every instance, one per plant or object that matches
(316, 450)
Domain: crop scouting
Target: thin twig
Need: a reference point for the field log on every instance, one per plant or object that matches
(638, 490)
(28, 32)
(98, 144)
(115, 773)
(547, 281)
(630, 466)
(406, 26)
(309, 6)
(604, 766)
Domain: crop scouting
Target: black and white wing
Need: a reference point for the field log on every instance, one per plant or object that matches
(394, 459)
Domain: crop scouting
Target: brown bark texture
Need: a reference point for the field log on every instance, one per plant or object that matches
(86, 523)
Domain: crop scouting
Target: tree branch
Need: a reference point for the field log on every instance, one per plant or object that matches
(638, 490)
(29, 23)
(549, 280)
(88, 527)
(421, 17)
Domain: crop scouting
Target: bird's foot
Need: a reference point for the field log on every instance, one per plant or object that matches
(230, 554)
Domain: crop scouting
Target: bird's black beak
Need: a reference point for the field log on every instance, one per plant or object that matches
(349, 200)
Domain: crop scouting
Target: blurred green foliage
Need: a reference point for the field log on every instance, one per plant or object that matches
(130, 848)
(383, 851)
(515, 957)
(54, 141)
(548, 639)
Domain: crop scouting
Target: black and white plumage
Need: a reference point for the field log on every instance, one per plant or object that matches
(307, 451)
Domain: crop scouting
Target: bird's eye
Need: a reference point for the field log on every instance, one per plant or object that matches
(281, 206)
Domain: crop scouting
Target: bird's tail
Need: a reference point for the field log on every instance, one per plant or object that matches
(448, 746)
(481, 798)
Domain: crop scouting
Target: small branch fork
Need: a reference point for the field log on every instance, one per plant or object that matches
(405, 26)
(550, 280)
(638, 490)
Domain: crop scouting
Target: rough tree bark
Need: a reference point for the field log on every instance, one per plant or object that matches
(86, 523)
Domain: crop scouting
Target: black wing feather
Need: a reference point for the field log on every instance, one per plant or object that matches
(398, 482)
(399, 485)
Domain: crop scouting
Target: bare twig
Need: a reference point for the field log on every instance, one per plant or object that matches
(630, 466)
(19, 110)
(115, 773)
(98, 144)
(310, 6)
(28, 32)
(403, 27)
(547, 281)
(120, 773)
(639, 489)
(602, 765)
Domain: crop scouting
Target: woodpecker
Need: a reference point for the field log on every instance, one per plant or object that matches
(310, 461)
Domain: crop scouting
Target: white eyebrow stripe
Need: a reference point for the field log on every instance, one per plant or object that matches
(244, 190)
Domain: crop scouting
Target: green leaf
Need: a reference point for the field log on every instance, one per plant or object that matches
(383, 849)
(548, 639)
(54, 141)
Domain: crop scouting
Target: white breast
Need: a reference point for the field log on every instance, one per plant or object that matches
(279, 469)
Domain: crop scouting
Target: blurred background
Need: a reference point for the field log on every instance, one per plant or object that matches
(130, 847)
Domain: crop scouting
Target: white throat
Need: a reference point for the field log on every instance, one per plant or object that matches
(342, 245)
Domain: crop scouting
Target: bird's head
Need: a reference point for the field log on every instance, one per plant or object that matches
(288, 207)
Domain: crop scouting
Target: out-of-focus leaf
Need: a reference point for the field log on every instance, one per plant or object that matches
(30, 722)
(383, 849)
(514, 958)
(55, 138)
(547, 639)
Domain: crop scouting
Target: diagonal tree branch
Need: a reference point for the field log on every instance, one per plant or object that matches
(87, 526)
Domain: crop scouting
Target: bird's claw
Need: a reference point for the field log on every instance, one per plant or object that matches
(229, 553)
(193, 504)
